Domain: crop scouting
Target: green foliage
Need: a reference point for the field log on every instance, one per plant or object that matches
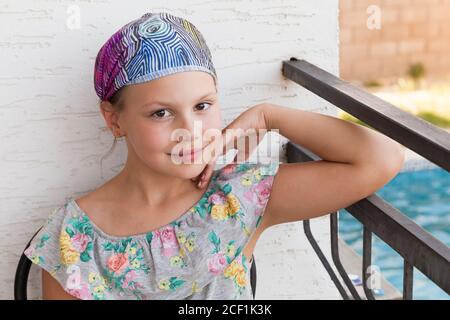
(416, 71)
(435, 119)
(349, 117)
(372, 84)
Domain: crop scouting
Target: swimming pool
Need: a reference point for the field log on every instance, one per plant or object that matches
(424, 196)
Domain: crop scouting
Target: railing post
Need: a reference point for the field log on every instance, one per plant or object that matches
(334, 231)
(419, 248)
(408, 276)
(323, 259)
(367, 261)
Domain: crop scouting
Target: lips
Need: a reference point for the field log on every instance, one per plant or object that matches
(191, 152)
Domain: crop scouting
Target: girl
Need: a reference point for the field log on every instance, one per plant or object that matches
(165, 229)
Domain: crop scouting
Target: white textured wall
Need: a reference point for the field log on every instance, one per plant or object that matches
(51, 134)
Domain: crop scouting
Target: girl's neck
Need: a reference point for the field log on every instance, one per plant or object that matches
(150, 188)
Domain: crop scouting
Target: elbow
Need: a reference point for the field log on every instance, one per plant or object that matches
(396, 159)
(383, 166)
(391, 163)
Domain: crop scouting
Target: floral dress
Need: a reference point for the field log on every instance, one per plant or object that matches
(197, 256)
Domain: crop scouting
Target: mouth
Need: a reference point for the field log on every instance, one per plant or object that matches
(187, 153)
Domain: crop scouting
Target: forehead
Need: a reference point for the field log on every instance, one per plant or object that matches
(183, 85)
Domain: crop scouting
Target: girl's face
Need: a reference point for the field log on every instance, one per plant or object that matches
(155, 111)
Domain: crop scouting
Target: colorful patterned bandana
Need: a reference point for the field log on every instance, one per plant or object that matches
(153, 46)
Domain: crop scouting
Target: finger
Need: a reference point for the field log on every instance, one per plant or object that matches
(229, 140)
(210, 154)
(207, 175)
(204, 177)
(208, 171)
(206, 157)
(214, 149)
(201, 177)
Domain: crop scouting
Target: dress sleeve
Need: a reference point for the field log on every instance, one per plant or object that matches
(52, 250)
(44, 247)
(249, 185)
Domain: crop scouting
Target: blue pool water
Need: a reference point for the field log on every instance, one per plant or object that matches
(424, 196)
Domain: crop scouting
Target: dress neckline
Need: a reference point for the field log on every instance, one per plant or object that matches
(143, 235)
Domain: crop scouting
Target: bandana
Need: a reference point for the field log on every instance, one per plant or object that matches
(153, 46)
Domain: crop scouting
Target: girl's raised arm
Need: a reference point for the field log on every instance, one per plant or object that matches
(356, 162)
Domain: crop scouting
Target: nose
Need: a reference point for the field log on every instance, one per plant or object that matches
(187, 122)
(193, 128)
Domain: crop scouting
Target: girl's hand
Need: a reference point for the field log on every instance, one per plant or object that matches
(244, 134)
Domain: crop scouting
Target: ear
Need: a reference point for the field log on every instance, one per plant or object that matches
(110, 116)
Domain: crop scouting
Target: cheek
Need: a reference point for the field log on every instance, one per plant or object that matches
(214, 121)
(149, 139)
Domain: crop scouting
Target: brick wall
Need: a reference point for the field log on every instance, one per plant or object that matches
(410, 31)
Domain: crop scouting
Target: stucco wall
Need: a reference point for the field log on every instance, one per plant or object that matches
(51, 133)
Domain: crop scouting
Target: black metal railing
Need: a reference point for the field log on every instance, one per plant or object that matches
(418, 248)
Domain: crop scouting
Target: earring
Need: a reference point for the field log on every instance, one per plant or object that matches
(117, 134)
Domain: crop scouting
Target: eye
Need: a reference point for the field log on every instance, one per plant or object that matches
(159, 114)
(204, 103)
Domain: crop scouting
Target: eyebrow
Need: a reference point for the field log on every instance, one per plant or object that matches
(168, 104)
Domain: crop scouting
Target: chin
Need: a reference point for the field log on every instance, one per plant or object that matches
(187, 170)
